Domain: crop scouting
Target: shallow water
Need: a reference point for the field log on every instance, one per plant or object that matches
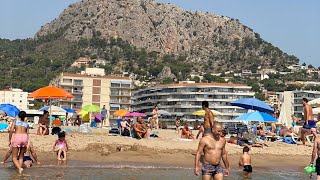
(87, 171)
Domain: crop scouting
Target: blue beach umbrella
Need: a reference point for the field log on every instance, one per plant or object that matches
(252, 103)
(9, 109)
(69, 110)
(256, 116)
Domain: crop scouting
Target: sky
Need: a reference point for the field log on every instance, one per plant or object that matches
(291, 25)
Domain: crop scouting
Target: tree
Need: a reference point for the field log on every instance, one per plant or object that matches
(196, 79)
(304, 64)
(310, 66)
(167, 80)
(210, 78)
(260, 96)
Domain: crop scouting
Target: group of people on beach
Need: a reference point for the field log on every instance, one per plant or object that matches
(20, 146)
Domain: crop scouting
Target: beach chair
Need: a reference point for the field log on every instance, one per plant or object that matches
(310, 138)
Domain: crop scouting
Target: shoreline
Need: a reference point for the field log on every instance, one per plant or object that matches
(168, 150)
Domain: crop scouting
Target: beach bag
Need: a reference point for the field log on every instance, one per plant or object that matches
(114, 131)
(125, 132)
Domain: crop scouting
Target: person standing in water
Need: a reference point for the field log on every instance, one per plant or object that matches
(19, 139)
(315, 152)
(208, 118)
(213, 147)
(245, 162)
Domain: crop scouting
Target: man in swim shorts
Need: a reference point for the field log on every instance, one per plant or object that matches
(208, 118)
(310, 124)
(316, 151)
(213, 147)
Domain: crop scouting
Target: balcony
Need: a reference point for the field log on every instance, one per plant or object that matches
(77, 92)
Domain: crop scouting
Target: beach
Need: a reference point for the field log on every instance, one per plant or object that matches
(168, 149)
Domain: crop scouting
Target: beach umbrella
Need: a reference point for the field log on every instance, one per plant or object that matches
(83, 112)
(121, 112)
(315, 102)
(91, 108)
(9, 109)
(164, 113)
(69, 110)
(202, 113)
(97, 117)
(51, 92)
(53, 109)
(134, 114)
(316, 110)
(252, 103)
(256, 116)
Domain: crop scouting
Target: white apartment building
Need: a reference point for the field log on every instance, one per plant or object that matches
(92, 87)
(185, 98)
(14, 96)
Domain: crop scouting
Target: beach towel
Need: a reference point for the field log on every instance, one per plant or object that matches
(3, 126)
(288, 140)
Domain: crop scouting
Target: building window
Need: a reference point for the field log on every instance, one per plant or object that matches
(66, 81)
(95, 98)
(96, 90)
(115, 84)
(96, 82)
(78, 82)
(21, 95)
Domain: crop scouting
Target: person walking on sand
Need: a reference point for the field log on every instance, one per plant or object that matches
(104, 115)
(213, 147)
(245, 162)
(208, 118)
(19, 139)
(309, 124)
(155, 117)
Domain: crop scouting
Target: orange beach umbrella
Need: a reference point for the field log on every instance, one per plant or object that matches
(120, 112)
(51, 92)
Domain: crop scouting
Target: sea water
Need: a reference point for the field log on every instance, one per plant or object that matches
(101, 171)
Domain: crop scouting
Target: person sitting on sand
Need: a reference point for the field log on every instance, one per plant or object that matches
(186, 132)
(125, 127)
(139, 129)
(177, 125)
(44, 123)
(201, 131)
(244, 141)
(61, 146)
(245, 162)
(27, 160)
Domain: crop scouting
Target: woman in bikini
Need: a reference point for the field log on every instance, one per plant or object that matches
(19, 139)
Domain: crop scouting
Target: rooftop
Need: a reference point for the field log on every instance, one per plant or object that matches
(203, 84)
(86, 75)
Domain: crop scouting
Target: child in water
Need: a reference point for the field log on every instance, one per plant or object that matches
(61, 146)
(245, 162)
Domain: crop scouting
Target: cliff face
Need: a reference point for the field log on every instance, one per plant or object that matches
(206, 39)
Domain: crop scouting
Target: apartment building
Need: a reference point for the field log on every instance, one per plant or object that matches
(95, 88)
(14, 96)
(185, 98)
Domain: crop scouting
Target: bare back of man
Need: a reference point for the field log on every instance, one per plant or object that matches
(208, 121)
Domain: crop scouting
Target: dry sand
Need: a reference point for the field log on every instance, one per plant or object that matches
(166, 150)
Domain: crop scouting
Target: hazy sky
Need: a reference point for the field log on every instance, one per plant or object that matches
(291, 25)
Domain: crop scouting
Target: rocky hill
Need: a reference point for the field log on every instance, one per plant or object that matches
(157, 42)
(210, 42)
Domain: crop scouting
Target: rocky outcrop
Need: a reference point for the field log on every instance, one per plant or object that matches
(203, 37)
(166, 73)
